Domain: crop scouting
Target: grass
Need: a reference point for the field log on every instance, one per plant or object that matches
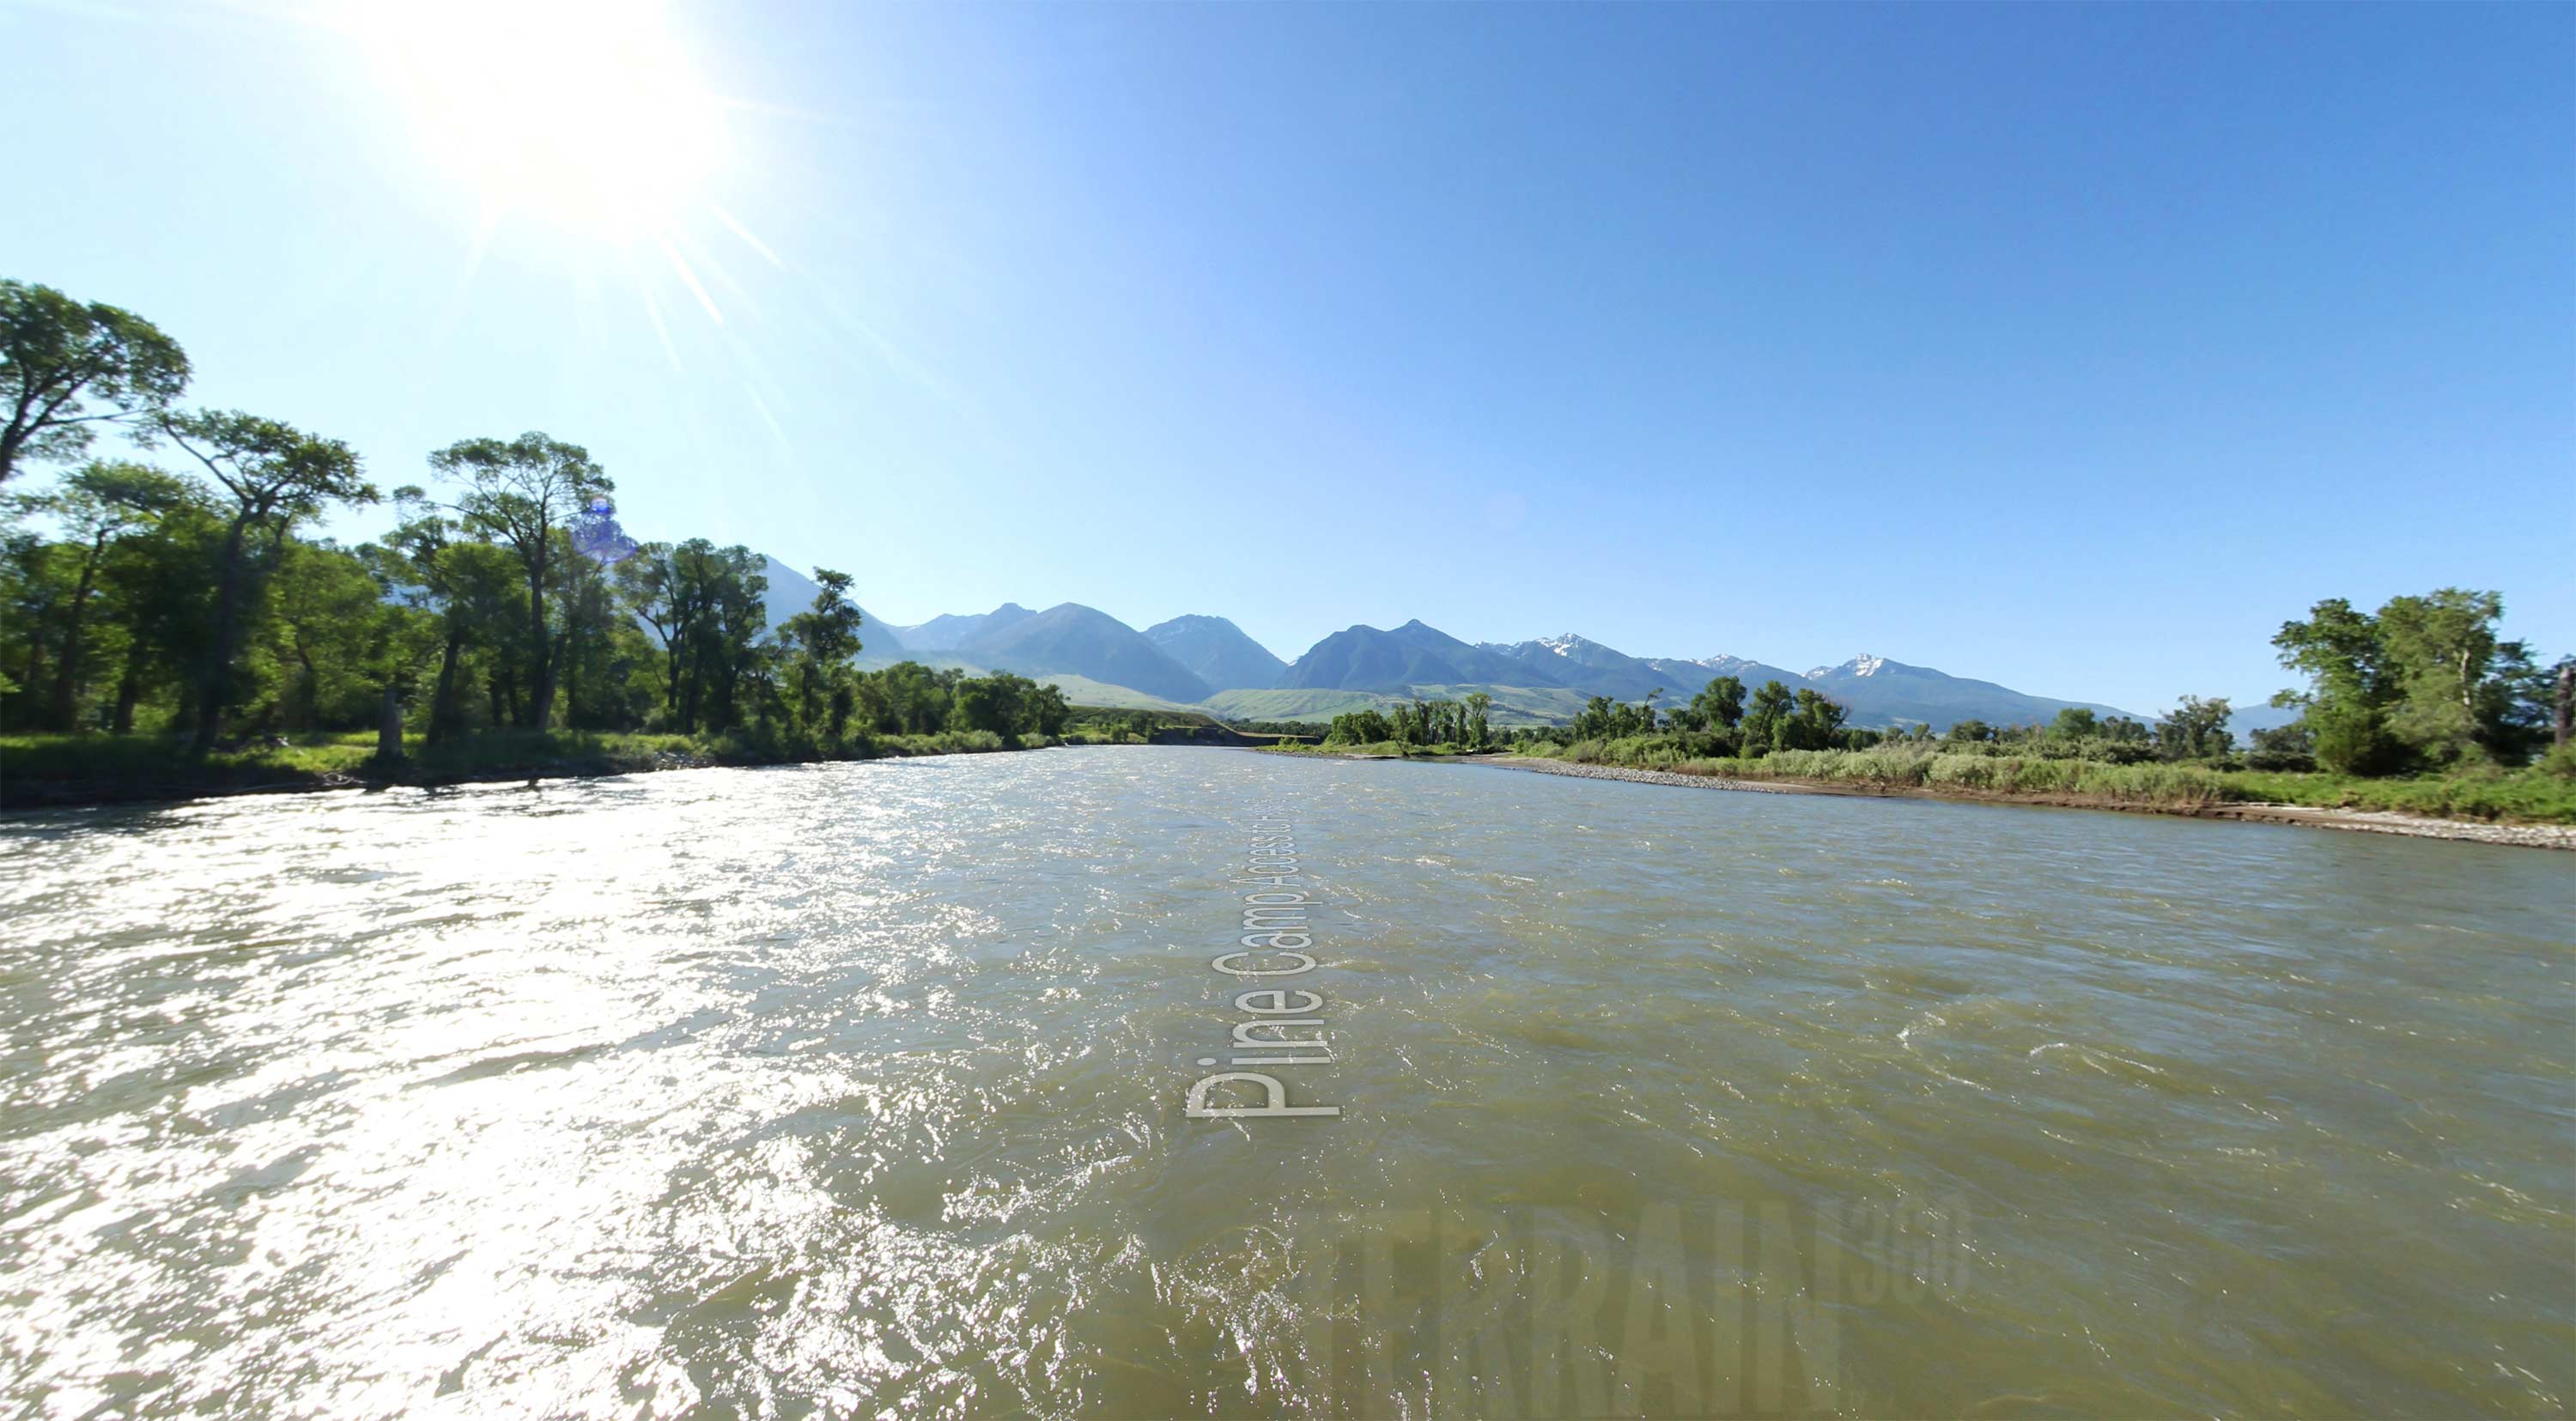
(1383, 750)
(87, 769)
(1513, 705)
(1293, 704)
(2527, 796)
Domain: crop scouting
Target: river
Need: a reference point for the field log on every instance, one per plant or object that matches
(860, 1090)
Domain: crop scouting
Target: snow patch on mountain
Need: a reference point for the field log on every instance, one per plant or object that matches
(1861, 665)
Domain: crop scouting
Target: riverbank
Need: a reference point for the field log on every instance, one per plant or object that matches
(61, 771)
(2366, 821)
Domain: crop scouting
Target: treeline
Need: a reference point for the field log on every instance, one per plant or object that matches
(194, 599)
(2423, 685)
(1465, 724)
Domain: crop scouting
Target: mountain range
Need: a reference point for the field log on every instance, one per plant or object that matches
(1218, 652)
(1207, 663)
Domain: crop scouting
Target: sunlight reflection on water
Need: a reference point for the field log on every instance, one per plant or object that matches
(859, 1087)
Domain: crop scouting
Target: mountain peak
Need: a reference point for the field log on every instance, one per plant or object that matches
(1218, 652)
(1861, 665)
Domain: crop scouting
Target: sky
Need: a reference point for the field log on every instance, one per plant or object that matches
(2071, 347)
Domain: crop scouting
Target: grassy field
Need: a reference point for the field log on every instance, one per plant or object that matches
(2529, 796)
(1513, 705)
(1293, 705)
(1382, 750)
(39, 770)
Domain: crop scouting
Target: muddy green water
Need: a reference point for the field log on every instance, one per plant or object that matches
(858, 1090)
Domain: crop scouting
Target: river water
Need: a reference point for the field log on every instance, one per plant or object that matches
(859, 1090)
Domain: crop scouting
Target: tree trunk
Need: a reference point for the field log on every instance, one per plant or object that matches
(308, 691)
(35, 652)
(442, 702)
(541, 699)
(569, 662)
(2566, 704)
(389, 749)
(671, 659)
(67, 673)
(129, 688)
(219, 658)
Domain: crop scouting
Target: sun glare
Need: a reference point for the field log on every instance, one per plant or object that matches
(584, 113)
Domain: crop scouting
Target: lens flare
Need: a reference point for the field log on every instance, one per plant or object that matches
(587, 114)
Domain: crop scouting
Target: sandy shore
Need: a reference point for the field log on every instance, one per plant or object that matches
(2361, 821)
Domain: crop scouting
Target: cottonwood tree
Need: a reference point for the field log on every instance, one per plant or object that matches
(523, 493)
(2195, 729)
(66, 367)
(826, 637)
(98, 505)
(1720, 704)
(2424, 681)
(1772, 707)
(278, 476)
(1480, 730)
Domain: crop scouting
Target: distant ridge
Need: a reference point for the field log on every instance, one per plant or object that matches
(1883, 692)
(791, 592)
(1363, 658)
(1073, 639)
(1200, 659)
(1218, 652)
(947, 632)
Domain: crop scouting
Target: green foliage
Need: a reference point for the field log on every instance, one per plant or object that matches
(2544, 794)
(2423, 683)
(66, 367)
(42, 769)
(1433, 725)
(2284, 748)
(522, 494)
(2195, 730)
(1720, 704)
(277, 477)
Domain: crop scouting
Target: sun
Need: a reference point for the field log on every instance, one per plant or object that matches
(586, 114)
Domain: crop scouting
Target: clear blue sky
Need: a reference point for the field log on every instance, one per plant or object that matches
(2072, 347)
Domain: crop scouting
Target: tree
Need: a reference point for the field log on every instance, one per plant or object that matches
(1720, 703)
(906, 698)
(993, 703)
(2563, 704)
(2075, 723)
(654, 586)
(157, 581)
(463, 581)
(97, 505)
(278, 476)
(524, 493)
(1480, 730)
(2424, 681)
(1816, 724)
(1048, 710)
(2443, 651)
(734, 668)
(826, 638)
(65, 367)
(2195, 730)
(321, 625)
(1771, 705)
